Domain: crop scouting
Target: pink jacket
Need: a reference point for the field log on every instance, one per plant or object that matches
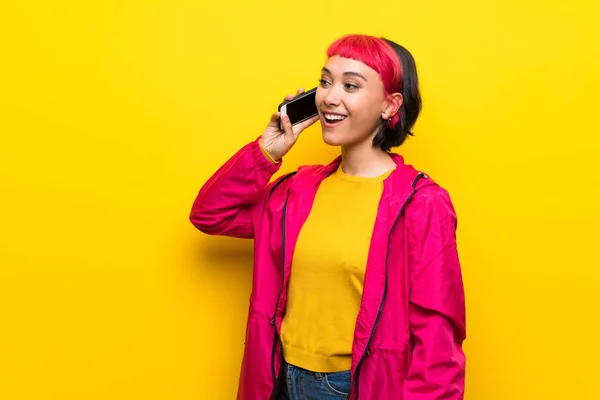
(411, 323)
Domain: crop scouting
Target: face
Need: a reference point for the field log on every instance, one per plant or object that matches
(350, 100)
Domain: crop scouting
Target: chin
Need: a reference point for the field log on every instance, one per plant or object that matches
(332, 139)
(341, 139)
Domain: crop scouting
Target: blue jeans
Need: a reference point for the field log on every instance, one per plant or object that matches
(300, 384)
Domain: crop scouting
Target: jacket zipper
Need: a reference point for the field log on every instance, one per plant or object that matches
(385, 287)
(276, 338)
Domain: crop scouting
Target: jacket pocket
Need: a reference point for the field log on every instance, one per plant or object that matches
(383, 373)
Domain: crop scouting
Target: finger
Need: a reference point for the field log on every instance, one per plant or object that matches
(274, 120)
(288, 130)
(291, 96)
(275, 117)
(305, 124)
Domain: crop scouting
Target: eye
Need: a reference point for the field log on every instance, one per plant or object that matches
(324, 82)
(350, 86)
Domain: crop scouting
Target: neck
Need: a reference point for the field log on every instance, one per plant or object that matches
(364, 160)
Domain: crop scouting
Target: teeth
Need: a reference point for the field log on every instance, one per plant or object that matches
(335, 117)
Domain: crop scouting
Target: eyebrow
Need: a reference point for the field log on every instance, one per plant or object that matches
(347, 73)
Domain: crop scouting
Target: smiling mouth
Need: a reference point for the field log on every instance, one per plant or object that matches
(333, 118)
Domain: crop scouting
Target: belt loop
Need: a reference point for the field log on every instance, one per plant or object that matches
(319, 376)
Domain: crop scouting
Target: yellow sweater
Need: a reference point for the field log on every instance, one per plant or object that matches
(327, 275)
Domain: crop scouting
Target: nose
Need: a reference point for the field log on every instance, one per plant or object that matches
(332, 96)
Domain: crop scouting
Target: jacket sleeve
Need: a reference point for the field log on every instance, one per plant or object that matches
(224, 204)
(437, 303)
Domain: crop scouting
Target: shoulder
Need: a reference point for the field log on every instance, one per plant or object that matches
(433, 196)
(425, 192)
(431, 203)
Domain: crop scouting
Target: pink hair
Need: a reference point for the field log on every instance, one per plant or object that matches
(377, 54)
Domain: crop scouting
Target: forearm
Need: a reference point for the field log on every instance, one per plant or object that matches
(222, 204)
(437, 368)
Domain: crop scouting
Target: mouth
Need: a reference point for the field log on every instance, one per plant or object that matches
(333, 119)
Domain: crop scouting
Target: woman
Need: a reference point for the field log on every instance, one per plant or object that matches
(357, 289)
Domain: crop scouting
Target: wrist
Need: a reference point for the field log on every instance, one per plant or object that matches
(268, 155)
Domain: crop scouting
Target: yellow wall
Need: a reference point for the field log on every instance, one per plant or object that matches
(113, 114)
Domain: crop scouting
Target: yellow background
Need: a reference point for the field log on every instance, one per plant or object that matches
(113, 114)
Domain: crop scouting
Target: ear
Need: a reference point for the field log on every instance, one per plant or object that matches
(392, 105)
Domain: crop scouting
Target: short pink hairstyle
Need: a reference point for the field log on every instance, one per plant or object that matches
(377, 54)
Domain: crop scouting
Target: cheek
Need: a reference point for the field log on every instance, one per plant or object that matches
(319, 97)
(366, 111)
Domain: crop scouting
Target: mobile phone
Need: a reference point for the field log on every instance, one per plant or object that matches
(300, 108)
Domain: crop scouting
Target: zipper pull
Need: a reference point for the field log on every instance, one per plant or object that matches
(419, 176)
(273, 321)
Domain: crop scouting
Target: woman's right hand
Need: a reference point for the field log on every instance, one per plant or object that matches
(278, 143)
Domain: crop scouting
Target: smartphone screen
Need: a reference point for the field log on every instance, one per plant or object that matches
(302, 107)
